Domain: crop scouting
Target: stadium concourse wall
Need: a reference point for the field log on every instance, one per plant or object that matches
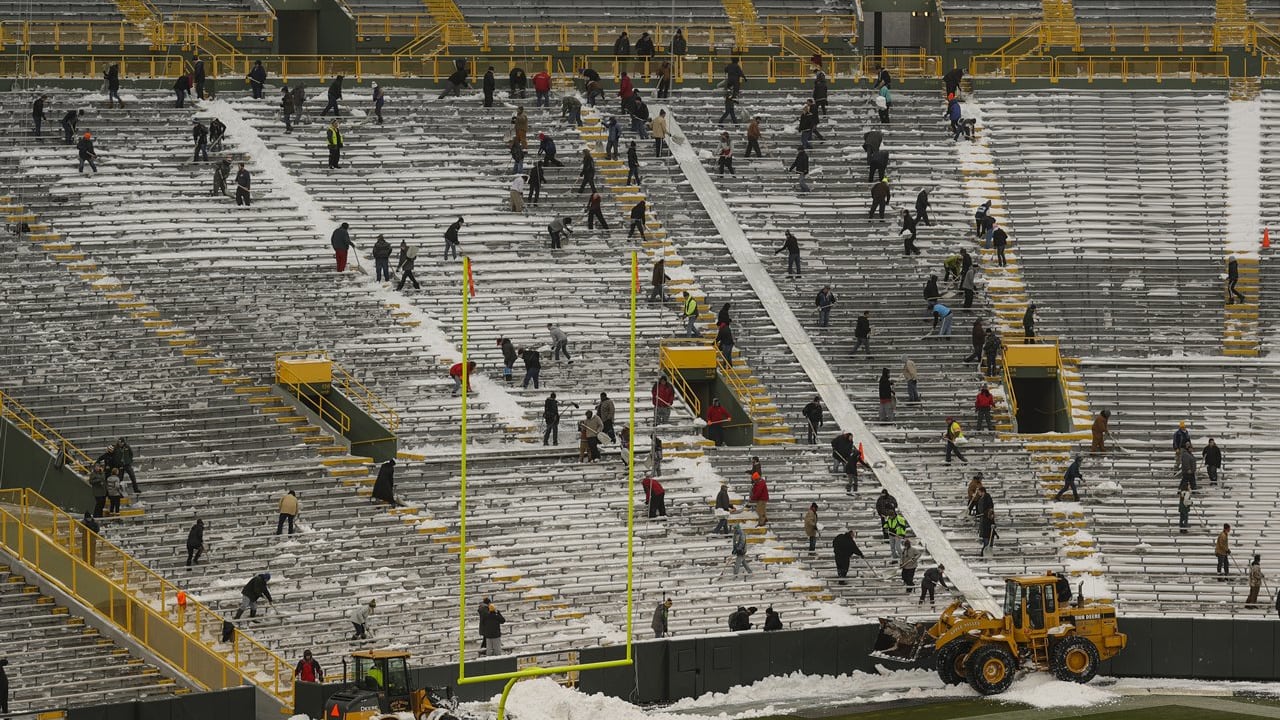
(237, 702)
(25, 463)
(676, 668)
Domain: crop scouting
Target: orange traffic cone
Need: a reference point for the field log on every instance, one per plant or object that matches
(1266, 238)
(861, 455)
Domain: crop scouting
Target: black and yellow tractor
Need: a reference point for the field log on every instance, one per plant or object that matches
(380, 690)
(1037, 631)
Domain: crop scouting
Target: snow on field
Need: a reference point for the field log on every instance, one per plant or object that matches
(544, 699)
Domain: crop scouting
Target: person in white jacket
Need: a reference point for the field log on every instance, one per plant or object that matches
(360, 619)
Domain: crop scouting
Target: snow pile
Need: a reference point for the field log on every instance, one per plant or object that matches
(1244, 177)
(1041, 690)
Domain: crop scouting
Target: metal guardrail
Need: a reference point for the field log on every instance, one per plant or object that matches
(237, 25)
(600, 36)
(677, 379)
(153, 611)
(42, 433)
(345, 381)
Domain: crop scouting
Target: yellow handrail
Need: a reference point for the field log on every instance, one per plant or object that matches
(92, 66)
(40, 431)
(353, 388)
(681, 386)
(153, 611)
(61, 32)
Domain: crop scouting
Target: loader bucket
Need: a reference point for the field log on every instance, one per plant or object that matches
(904, 643)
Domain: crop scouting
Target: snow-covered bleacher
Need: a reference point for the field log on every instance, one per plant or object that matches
(583, 11)
(1118, 245)
(56, 662)
(104, 10)
(547, 534)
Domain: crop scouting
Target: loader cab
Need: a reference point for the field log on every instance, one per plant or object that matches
(1031, 603)
(385, 672)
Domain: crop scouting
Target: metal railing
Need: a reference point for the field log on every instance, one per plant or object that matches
(1123, 67)
(86, 34)
(980, 27)
(432, 67)
(677, 379)
(153, 611)
(355, 390)
(1147, 36)
(600, 36)
(1002, 61)
(310, 393)
(237, 25)
(43, 434)
(92, 66)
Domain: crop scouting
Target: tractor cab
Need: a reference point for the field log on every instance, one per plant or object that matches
(380, 689)
(1031, 603)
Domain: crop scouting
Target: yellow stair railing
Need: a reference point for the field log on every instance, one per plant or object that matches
(1060, 26)
(790, 41)
(457, 30)
(1003, 61)
(145, 16)
(352, 388)
(154, 612)
(1231, 23)
(40, 431)
(746, 24)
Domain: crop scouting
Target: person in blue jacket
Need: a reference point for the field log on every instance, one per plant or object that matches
(942, 314)
(547, 150)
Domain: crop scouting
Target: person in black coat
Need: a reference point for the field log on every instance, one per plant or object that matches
(722, 317)
(489, 84)
(4, 687)
(772, 620)
(335, 94)
(871, 141)
(197, 76)
(112, 75)
(491, 622)
(384, 488)
(922, 207)
(69, 123)
(257, 79)
(195, 542)
(792, 246)
(800, 166)
(181, 87)
(813, 418)
(201, 137)
(457, 80)
(637, 220)
(242, 186)
(532, 366)
(952, 80)
(931, 294)
(820, 92)
(740, 619)
(908, 233)
(551, 416)
(409, 256)
(877, 164)
(724, 342)
(253, 591)
(844, 547)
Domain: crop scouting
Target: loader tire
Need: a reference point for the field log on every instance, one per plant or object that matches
(990, 669)
(1075, 659)
(950, 660)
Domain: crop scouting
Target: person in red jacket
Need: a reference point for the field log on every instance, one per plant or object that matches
(760, 496)
(655, 496)
(455, 372)
(983, 404)
(717, 418)
(664, 396)
(542, 89)
(625, 87)
(308, 670)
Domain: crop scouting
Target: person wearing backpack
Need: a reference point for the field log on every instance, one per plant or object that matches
(408, 256)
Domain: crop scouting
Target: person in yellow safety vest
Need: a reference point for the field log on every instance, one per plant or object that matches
(373, 677)
(896, 527)
(334, 137)
(690, 313)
